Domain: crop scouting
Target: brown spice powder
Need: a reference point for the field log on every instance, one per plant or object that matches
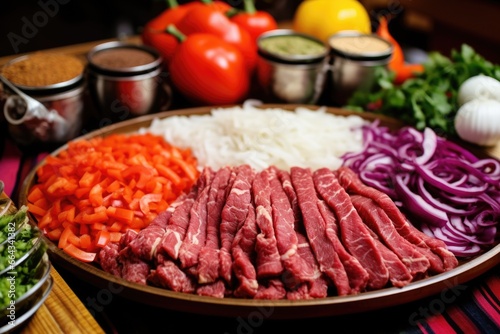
(43, 69)
(122, 58)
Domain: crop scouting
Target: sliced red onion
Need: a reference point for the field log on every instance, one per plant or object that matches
(438, 204)
(416, 204)
(429, 145)
(455, 194)
(436, 181)
(465, 251)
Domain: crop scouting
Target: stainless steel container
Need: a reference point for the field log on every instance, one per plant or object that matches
(44, 115)
(354, 58)
(121, 92)
(291, 78)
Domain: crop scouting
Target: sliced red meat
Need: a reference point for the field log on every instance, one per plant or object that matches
(144, 245)
(216, 289)
(378, 221)
(399, 275)
(358, 276)
(286, 183)
(179, 221)
(273, 289)
(233, 215)
(298, 270)
(328, 260)
(107, 257)
(243, 254)
(268, 262)
(440, 258)
(318, 287)
(196, 232)
(133, 269)
(353, 232)
(168, 275)
(127, 238)
(208, 260)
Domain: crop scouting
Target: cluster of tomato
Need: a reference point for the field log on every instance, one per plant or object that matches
(209, 47)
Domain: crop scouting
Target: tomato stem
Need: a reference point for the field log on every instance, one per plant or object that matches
(172, 30)
(249, 7)
(172, 3)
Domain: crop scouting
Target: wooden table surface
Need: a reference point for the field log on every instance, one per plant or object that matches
(63, 311)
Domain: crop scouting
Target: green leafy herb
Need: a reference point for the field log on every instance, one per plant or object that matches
(430, 99)
(18, 239)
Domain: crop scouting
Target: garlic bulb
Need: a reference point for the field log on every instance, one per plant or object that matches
(478, 122)
(478, 87)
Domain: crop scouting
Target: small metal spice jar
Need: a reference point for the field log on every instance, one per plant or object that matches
(291, 66)
(44, 98)
(126, 80)
(354, 57)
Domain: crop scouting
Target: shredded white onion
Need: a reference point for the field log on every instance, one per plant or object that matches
(262, 137)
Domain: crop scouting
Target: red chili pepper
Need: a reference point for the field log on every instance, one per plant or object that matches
(208, 70)
(397, 64)
(256, 22)
(209, 19)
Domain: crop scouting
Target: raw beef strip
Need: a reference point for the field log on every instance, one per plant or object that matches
(268, 260)
(399, 275)
(441, 259)
(318, 287)
(144, 245)
(133, 269)
(233, 215)
(216, 289)
(274, 289)
(328, 260)
(378, 221)
(353, 232)
(196, 232)
(168, 275)
(298, 270)
(358, 276)
(243, 255)
(127, 238)
(108, 259)
(179, 221)
(208, 260)
(286, 183)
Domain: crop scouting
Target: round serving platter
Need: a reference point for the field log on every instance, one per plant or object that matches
(278, 309)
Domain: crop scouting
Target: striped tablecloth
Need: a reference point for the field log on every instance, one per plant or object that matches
(473, 310)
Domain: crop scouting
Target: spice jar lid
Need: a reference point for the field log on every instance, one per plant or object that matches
(123, 59)
(44, 72)
(359, 46)
(288, 46)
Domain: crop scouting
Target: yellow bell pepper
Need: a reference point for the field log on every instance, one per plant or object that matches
(323, 18)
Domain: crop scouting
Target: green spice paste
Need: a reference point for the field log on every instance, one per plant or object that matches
(290, 45)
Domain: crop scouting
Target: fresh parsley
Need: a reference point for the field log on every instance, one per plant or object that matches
(430, 99)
